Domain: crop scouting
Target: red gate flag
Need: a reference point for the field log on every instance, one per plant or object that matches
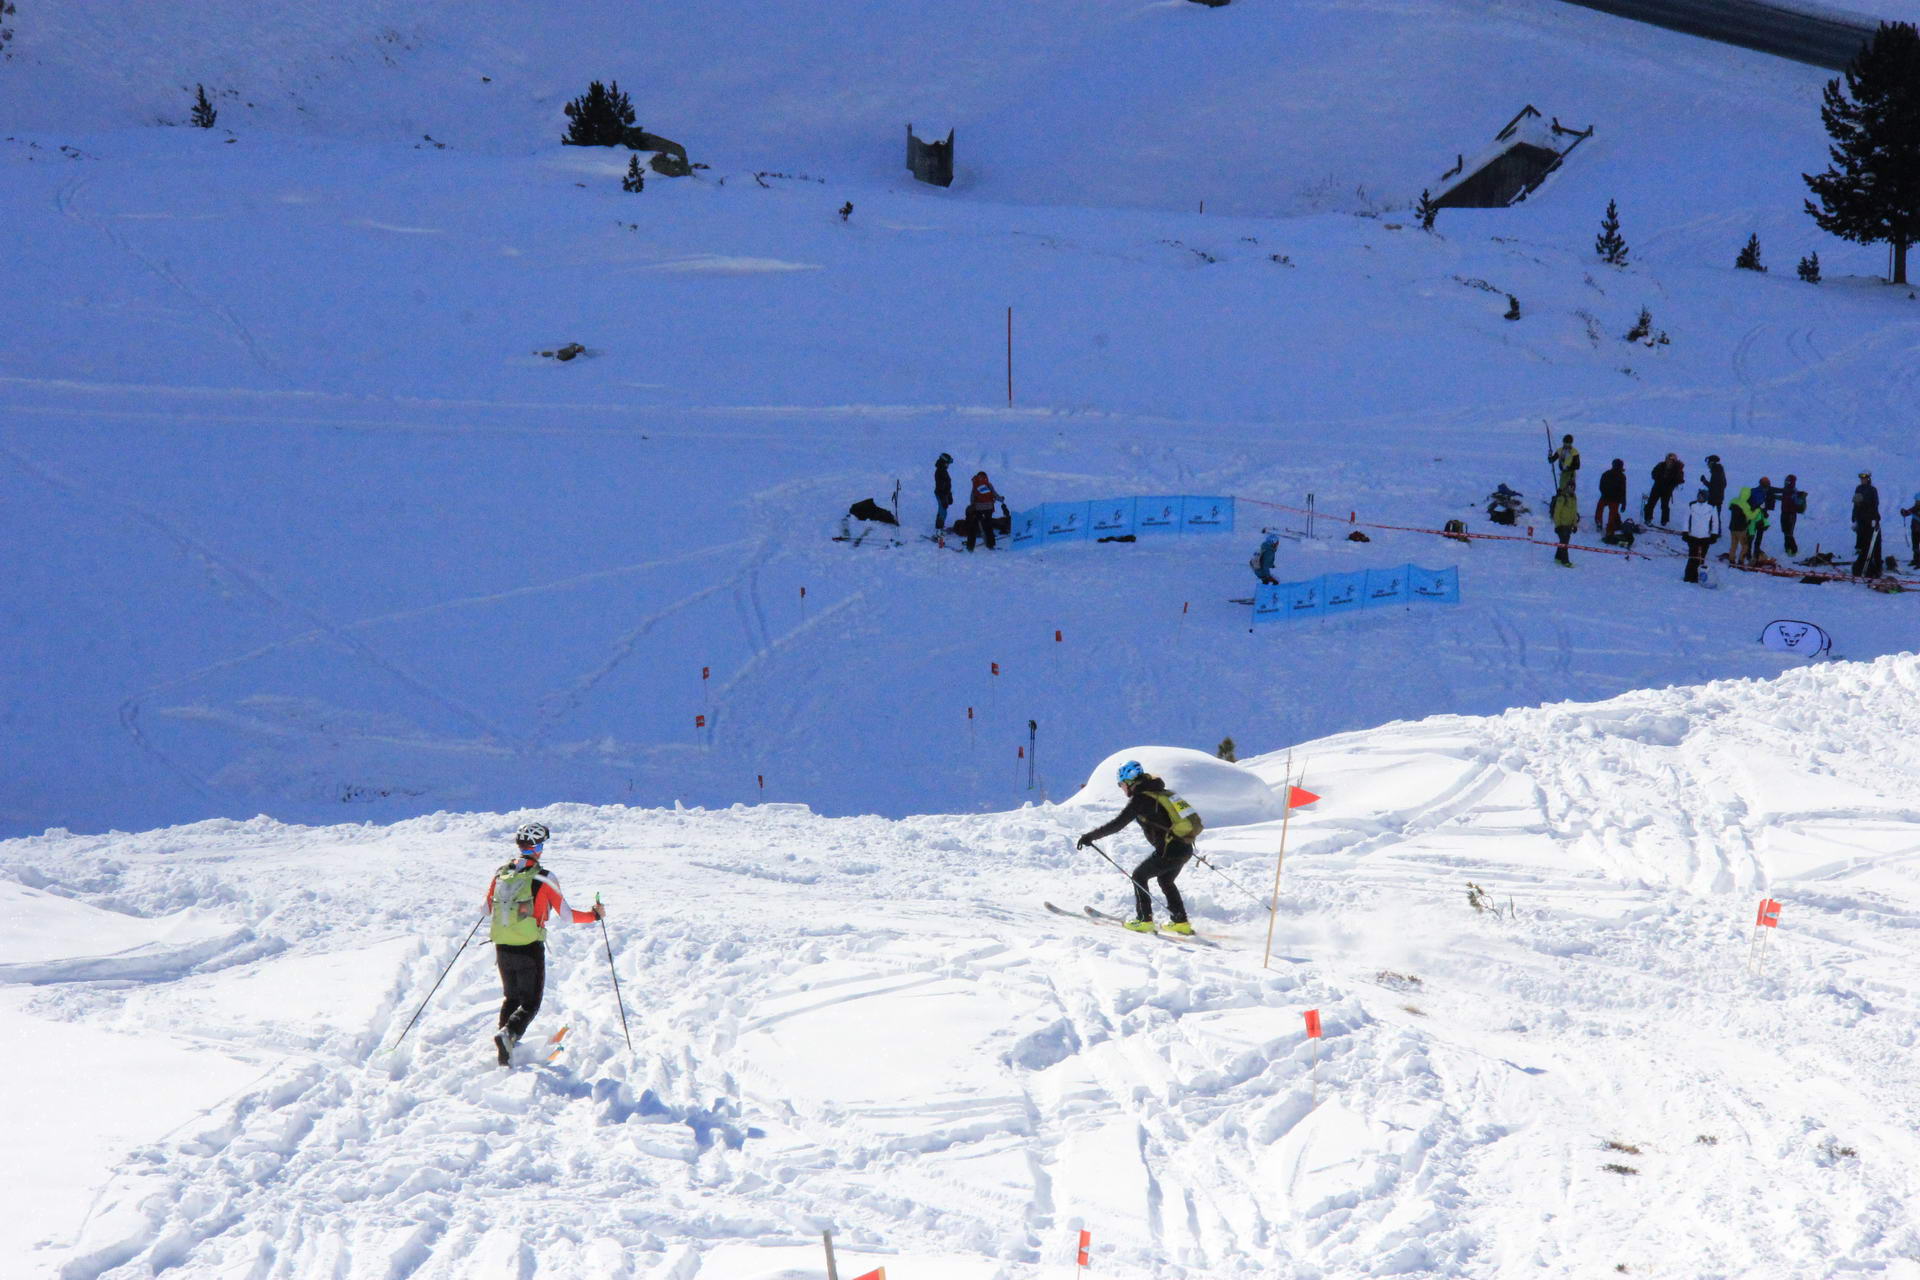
(1086, 1238)
(1769, 914)
(705, 672)
(1313, 1024)
(1297, 797)
(878, 1273)
(996, 668)
(699, 722)
(1056, 637)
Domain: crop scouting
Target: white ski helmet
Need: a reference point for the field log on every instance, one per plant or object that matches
(531, 835)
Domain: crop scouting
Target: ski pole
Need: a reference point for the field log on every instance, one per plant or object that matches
(436, 985)
(1224, 876)
(1116, 866)
(616, 976)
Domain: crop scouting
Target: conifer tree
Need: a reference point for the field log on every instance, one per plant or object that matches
(1810, 268)
(1427, 210)
(1871, 190)
(600, 117)
(203, 113)
(1748, 258)
(1608, 244)
(635, 180)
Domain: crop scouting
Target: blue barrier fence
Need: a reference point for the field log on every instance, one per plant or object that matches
(1139, 518)
(1332, 593)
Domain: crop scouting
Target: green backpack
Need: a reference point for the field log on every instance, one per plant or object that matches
(1181, 818)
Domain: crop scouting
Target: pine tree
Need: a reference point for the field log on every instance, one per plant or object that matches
(635, 180)
(1749, 256)
(1810, 268)
(600, 117)
(1871, 190)
(203, 113)
(1427, 210)
(1608, 244)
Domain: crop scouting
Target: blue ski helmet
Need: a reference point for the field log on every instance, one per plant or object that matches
(1131, 772)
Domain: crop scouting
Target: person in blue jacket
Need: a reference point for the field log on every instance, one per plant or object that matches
(1263, 560)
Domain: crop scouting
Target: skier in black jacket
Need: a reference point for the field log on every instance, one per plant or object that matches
(1716, 482)
(1150, 804)
(942, 490)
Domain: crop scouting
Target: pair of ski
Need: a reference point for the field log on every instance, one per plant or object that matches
(1101, 917)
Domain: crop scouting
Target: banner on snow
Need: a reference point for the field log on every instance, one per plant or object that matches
(1788, 635)
(1332, 593)
(1141, 518)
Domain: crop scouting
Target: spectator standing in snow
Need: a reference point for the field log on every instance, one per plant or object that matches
(1159, 812)
(1668, 475)
(1613, 496)
(521, 897)
(1866, 528)
(980, 502)
(1912, 514)
(1565, 514)
(1703, 527)
(1763, 500)
(942, 490)
(1792, 503)
(1263, 559)
(1566, 461)
(1716, 482)
(1745, 520)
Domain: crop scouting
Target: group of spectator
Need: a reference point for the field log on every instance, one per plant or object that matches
(1744, 520)
(977, 521)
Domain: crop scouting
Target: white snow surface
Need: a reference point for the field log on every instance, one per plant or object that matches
(323, 579)
(1226, 795)
(871, 1026)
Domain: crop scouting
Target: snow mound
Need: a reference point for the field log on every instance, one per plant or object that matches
(1224, 793)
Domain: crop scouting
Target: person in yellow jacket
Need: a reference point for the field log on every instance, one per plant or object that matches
(1565, 513)
(1566, 460)
(520, 899)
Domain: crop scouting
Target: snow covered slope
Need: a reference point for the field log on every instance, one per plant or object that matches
(871, 1026)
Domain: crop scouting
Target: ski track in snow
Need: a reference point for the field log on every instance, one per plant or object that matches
(869, 1025)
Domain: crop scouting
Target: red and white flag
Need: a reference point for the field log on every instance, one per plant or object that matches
(1086, 1239)
(1313, 1024)
(1297, 796)
(1769, 914)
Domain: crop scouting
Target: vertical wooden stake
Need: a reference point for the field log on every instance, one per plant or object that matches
(833, 1272)
(1009, 357)
(1273, 907)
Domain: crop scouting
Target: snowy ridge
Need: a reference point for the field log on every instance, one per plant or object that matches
(869, 1025)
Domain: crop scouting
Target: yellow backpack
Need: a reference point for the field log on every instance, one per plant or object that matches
(1181, 818)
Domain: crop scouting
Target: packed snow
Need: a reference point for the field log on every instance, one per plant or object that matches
(326, 576)
(870, 1026)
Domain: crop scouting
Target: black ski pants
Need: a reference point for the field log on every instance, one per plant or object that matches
(1164, 865)
(523, 979)
(1788, 518)
(979, 525)
(1662, 497)
(1696, 554)
(1866, 551)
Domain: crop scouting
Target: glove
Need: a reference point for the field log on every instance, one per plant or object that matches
(599, 911)
(1083, 842)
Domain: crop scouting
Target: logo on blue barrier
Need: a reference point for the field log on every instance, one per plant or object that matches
(1349, 592)
(1121, 517)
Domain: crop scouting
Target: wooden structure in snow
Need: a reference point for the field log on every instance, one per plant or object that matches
(930, 161)
(1506, 172)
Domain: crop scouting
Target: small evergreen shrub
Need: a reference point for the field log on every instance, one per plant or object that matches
(203, 113)
(1810, 268)
(600, 117)
(635, 180)
(1609, 244)
(1427, 210)
(1749, 257)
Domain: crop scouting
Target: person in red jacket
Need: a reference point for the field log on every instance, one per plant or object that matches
(520, 899)
(980, 504)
